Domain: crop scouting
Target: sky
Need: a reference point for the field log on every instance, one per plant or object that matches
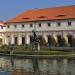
(11, 8)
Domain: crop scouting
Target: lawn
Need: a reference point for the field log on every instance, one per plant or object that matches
(26, 49)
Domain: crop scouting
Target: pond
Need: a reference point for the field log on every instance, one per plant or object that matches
(8, 66)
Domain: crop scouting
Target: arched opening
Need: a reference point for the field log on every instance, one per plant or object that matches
(9, 40)
(31, 39)
(70, 40)
(15, 40)
(49, 39)
(23, 40)
(59, 37)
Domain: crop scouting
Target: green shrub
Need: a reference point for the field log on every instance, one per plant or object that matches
(22, 47)
(73, 42)
(19, 47)
(42, 41)
(4, 47)
(0, 41)
(53, 42)
(16, 47)
(63, 42)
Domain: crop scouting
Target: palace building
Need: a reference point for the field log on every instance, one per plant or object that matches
(56, 22)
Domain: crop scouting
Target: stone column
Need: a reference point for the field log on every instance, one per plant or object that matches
(19, 39)
(54, 36)
(38, 47)
(12, 39)
(65, 37)
(27, 40)
(5, 40)
(45, 37)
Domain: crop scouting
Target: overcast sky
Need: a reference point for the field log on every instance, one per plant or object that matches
(11, 8)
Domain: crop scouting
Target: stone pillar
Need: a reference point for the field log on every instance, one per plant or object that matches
(27, 40)
(19, 39)
(45, 37)
(38, 47)
(54, 36)
(65, 37)
(5, 40)
(12, 39)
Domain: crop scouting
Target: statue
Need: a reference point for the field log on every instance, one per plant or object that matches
(35, 47)
(36, 41)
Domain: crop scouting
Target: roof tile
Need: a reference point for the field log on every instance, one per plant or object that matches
(65, 12)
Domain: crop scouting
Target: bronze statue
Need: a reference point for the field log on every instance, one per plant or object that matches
(36, 41)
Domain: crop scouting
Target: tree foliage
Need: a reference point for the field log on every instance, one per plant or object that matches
(0, 41)
(63, 42)
(53, 42)
(42, 41)
(73, 42)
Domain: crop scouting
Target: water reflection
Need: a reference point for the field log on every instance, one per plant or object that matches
(9, 66)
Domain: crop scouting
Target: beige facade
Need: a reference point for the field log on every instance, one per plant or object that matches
(22, 35)
(48, 23)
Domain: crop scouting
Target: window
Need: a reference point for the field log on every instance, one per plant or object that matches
(26, 18)
(69, 23)
(49, 24)
(58, 24)
(22, 26)
(61, 15)
(31, 25)
(42, 17)
(40, 25)
(15, 26)
(8, 26)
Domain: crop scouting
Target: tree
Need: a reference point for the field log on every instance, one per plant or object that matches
(73, 42)
(63, 42)
(0, 41)
(42, 41)
(53, 42)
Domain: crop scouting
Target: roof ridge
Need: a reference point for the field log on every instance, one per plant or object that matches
(50, 7)
(51, 14)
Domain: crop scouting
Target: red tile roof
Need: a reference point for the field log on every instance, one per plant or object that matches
(2, 24)
(56, 13)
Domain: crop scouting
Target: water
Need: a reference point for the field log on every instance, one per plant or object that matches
(45, 66)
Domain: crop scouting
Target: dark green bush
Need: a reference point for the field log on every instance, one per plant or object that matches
(4, 47)
(42, 41)
(53, 42)
(63, 42)
(0, 41)
(73, 42)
